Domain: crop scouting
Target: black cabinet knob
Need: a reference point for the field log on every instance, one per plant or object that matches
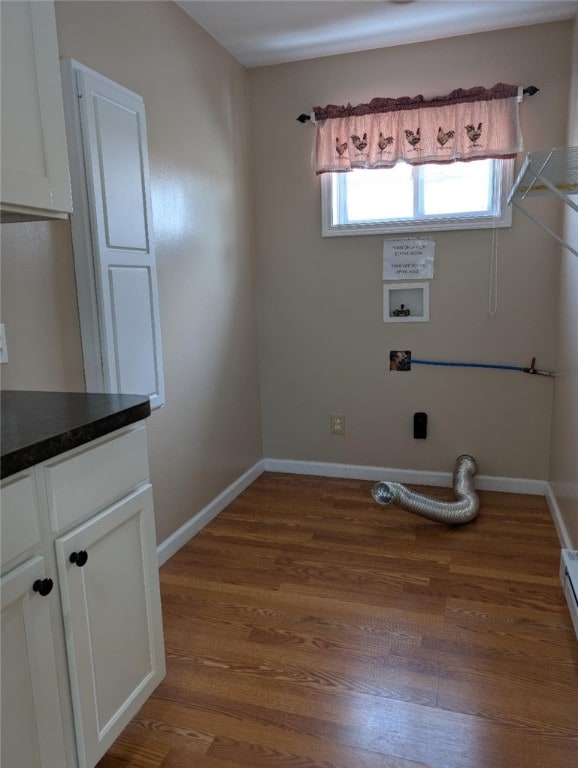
(79, 558)
(43, 586)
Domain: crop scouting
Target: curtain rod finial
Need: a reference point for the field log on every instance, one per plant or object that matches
(531, 90)
(303, 118)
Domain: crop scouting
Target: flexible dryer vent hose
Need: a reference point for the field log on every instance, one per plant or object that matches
(463, 510)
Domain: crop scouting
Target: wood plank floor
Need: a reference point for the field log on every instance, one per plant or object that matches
(306, 627)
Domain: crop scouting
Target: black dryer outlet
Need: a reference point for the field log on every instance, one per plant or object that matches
(420, 425)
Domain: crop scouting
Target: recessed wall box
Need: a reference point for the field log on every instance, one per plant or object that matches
(406, 302)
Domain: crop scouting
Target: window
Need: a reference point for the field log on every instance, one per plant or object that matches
(416, 198)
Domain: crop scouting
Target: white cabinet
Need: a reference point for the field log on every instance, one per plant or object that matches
(32, 733)
(32, 723)
(112, 235)
(84, 520)
(112, 619)
(35, 180)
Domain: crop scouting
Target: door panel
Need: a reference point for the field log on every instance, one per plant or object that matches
(122, 174)
(130, 293)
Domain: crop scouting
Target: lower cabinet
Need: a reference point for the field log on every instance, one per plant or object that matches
(81, 635)
(32, 734)
(111, 619)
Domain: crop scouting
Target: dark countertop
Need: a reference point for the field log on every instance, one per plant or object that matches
(39, 425)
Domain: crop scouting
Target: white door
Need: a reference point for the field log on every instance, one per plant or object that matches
(112, 617)
(32, 734)
(113, 157)
(34, 155)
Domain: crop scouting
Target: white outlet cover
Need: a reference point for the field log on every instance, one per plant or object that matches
(3, 345)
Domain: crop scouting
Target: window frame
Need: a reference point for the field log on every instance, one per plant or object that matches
(332, 185)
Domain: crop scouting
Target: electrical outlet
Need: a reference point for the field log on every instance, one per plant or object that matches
(337, 423)
(3, 345)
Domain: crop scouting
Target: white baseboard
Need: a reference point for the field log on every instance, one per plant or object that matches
(411, 476)
(175, 541)
(559, 524)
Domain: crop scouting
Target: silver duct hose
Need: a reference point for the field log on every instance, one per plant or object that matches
(463, 510)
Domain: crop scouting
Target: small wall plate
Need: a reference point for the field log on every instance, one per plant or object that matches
(3, 345)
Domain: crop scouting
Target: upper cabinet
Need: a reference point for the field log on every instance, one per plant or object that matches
(35, 181)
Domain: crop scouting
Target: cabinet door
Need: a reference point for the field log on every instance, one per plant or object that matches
(112, 619)
(116, 266)
(32, 733)
(34, 155)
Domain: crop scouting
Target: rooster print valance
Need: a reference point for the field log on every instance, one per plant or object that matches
(472, 124)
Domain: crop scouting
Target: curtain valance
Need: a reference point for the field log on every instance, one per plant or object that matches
(465, 125)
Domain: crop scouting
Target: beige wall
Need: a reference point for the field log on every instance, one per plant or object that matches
(39, 308)
(323, 342)
(564, 459)
(195, 97)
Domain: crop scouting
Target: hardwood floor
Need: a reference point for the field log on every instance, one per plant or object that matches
(306, 627)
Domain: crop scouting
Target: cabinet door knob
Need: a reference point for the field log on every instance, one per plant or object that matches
(43, 586)
(79, 558)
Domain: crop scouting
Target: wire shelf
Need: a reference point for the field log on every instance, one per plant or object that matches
(542, 170)
(551, 172)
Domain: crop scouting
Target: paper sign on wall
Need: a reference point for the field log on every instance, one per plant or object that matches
(408, 259)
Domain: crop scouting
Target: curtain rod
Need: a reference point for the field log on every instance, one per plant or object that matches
(303, 118)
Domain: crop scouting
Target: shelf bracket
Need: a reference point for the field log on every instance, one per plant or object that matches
(547, 229)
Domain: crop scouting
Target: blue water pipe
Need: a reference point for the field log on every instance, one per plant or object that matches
(531, 369)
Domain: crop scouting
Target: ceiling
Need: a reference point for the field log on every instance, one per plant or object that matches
(262, 32)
